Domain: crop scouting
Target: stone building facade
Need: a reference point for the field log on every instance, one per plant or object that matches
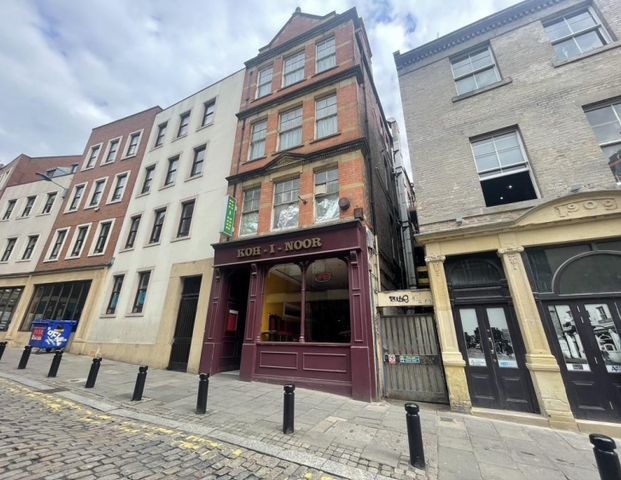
(316, 219)
(514, 129)
(155, 295)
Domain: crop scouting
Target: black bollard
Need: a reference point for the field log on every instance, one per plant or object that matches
(2, 347)
(25, 356)
(203, 387)
(288, 410)
(605, 456)
(92, 373)
(415, 436)
(58, 356)
(140, 379)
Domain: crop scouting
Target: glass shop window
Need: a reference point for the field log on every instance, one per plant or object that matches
(282, 307)
(327, 302)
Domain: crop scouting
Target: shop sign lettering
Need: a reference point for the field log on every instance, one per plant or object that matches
(272, 248)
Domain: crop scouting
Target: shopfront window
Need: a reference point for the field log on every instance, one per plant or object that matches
(282, 308)
(57, 301)
(325, 317)
(568, 338)
(597, 272)
(327, 302)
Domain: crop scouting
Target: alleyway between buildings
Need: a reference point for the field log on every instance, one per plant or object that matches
(100, 433)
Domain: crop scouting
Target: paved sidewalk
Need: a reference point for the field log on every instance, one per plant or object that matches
(334, 434)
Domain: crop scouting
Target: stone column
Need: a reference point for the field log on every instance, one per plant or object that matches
(543, 367)
(453, 360)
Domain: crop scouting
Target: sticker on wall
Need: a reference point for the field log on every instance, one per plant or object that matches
(409, 359)
(578, 367)
(507, 363)
(613, 368)
(392, 359)
(231, 321)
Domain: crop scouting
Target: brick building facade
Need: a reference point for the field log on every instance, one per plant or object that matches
(513, 124)
(311, 176)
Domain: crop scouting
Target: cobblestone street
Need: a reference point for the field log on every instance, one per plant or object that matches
(47, 437)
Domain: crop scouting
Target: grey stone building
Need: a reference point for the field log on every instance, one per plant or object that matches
(514, 129)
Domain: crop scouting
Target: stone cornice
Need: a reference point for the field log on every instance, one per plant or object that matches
(487, 24)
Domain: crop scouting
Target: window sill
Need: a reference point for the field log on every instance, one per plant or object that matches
(103, 164)
(97, 254)
(256, 159)
(123, 250)
(23, 260)
(73, 257)
(87, 168)
(142, 194)
(170, 185)
(203, 127)
(290, 85)
(290, 148)
(4, 262)
(605, 48)
(493, 86)
(256, 99)
(5, 220)
(132, 314)
(71, 211)
(127, 157)
(43, 214)
(194, 177)
(154, 244)
(156, 147)
(49, 260)
(180, 239)
(107, 315)
(114, 201)
(91, 207)
(22, 218)
(324, 71)
(325, 138)
(179, 138)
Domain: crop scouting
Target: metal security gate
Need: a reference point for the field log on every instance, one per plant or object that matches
(412, 360)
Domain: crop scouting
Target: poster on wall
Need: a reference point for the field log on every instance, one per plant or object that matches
(231, 321)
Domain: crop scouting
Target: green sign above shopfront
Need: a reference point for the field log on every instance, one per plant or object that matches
(229, 216)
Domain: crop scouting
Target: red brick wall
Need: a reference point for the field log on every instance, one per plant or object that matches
(124, 127)
(24, 168)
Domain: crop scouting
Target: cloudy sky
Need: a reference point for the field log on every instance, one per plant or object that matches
(67, 66)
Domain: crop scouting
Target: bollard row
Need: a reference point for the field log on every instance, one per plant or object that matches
(92, 373)
(606, 457)
(140, 380)
(58, 356)
(2, 348)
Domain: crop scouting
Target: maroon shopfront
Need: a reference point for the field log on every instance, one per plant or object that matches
(294, 307)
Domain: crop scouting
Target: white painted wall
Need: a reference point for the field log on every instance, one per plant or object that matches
(209, 191)
(34, 224)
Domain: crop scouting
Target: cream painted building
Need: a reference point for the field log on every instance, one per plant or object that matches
(27, 213)
(514, 129)
(154, 302)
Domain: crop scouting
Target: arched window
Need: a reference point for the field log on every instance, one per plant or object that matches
(593, 272)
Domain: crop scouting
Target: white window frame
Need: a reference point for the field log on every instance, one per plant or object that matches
(195, 150)
(335, 115)
(73, 191)
(129, 141)
(85, 165)
(317, 195)
(110, 291)
(135, 288)
(91, 252)
(257, 211)
(129, 227)
(318, 59)
(53, 242)
(6, 209)
(599, 28)
(612, 143)
(472, 73)
(300, 127)
(264, 83)
(284, 68)
(104, 159)
(74, 238)
(154, 218)
(92, 192)
(192, 218)
(253, 141)
(114, 185)
(283, 180)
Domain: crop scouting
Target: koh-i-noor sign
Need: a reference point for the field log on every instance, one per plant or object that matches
(275, 248)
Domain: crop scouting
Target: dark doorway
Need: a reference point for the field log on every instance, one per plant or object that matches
(588, 348)
(235, 320)
(492, 348)
(180, 351)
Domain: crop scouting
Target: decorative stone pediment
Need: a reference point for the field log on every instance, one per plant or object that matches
(297, 24)
(573, 207)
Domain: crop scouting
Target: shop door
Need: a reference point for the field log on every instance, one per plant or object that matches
(494, 355)
(588, 348)
(180, 351)
(234, 322)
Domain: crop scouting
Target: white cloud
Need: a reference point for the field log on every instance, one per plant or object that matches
(67, 66)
